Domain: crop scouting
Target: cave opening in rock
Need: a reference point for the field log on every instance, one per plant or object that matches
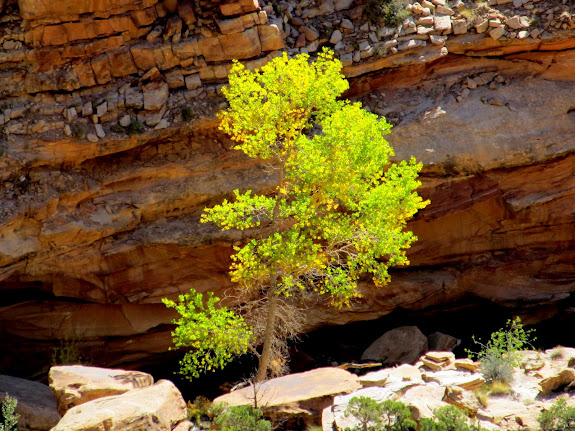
(339, 344)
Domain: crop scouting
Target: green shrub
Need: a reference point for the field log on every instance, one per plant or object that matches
(500, 354)
(496, 368)
(449, 418)
(68, 353)
(240, 418)
(375, 416)
(8, 413)
(559, 417)
(135, 127)
(188, 114)
(388, 12)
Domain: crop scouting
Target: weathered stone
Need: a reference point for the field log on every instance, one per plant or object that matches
(342, 4)
(336, 36)
(423, 400)
(400, 345)
(36, 404)
(459, 26)
(241, 45)
(375, 378)
(463, 399)
(121, 63)
(71, 114)
(76, 384)
(482, 26)
(102, 109)
(440, 342)
(442, 23)
(134, 98)
(311, 33)
(102, 69)
(497, 32)
(517, 22)
(463, 379)
(232, 25)
(99, 131)
(466, 364)
(125, 121)
(270, 38)
(155, 95)
(186, 13)
(296, 388)
(193, 81)
(92, 137)
(562, 378)
(152, 118)
(173, 26)
(156, 408)
(324, 8)
(444, 10)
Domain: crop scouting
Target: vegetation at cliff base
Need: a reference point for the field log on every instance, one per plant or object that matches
(337, 211)
(500, 354)
(9, 415)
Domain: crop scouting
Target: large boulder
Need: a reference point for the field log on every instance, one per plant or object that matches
(156, 408)
(441, 342)
(403, 345)
(308, 392)
(36, 404)
(77, 384)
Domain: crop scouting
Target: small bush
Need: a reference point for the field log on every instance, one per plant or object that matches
(449, 418)
(135, 127)
(116, 128)
(240, 418)
(374, 416)
(68, 353)
(559, 417)
(199, 409)
(500, 354)
(188, 114)
(10, 418)
(388, 12)
(496, 368)
(79, 131)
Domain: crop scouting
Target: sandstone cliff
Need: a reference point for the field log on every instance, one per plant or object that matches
(110, 151)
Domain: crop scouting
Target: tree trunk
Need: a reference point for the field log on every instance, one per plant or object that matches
(264, 360)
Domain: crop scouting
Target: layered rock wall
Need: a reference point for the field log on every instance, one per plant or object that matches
(110, 151)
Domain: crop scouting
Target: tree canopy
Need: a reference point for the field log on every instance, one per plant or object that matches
(339, 207)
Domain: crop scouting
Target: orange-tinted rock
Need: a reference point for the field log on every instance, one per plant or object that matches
(121, 63)
(241, 45)
(271, 38)
(102, 69)
(143, 57)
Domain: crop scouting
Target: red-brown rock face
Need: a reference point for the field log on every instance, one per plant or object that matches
(104, 183)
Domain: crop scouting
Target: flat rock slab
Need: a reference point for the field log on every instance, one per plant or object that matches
(424, 400)
(464, 379)
(156, 408)
(77, 384)
(36, 403)
(295, 388)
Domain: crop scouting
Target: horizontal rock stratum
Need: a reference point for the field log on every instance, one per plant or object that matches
(110, 151)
